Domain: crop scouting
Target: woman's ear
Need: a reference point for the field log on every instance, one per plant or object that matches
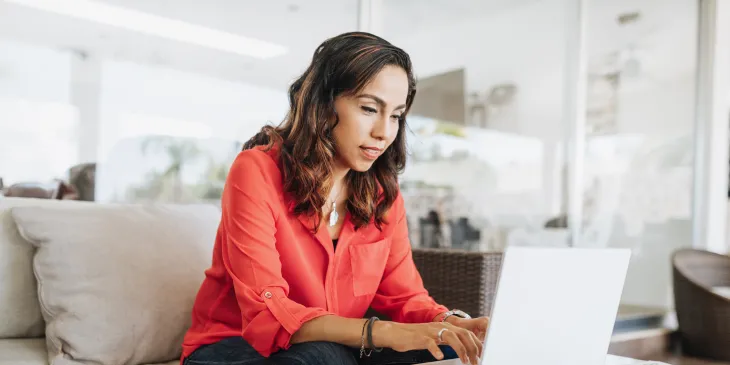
(337, 117)
(334, 124)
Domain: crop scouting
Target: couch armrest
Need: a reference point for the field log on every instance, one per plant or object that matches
(460, 279)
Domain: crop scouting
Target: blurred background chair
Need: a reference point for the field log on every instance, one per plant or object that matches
(460, 279)
(701, 285)
(56, 189)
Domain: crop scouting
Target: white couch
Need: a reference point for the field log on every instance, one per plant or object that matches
(86, 283)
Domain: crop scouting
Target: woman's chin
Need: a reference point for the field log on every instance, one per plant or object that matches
(362, 165)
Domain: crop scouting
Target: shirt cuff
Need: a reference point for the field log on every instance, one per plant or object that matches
(290, 316)
(430, 315)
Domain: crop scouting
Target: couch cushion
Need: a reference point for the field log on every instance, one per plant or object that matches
(23, 352)
(20, 313)
(117, 282)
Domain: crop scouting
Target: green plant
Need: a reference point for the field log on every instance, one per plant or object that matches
(179, 152)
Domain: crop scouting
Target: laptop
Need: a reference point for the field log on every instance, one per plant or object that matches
(554, 306)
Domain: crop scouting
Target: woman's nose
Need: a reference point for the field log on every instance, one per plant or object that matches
(381, 128)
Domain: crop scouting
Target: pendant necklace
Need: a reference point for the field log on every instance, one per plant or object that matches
(334, 217)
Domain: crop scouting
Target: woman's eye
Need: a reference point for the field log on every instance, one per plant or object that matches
(396, 118)
(368, 110)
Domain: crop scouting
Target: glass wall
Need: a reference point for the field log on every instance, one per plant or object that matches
(38, 122)
(491, 114)
(164, 117)
(640, 136)
(170, 135)
(488, 120)
(158, 114)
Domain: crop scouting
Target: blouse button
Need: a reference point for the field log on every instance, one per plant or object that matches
(267, 295)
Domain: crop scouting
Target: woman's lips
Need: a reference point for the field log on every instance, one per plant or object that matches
(371, 153)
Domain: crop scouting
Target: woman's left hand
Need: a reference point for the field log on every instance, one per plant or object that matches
(477, 325)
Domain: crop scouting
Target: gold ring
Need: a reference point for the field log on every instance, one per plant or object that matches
(441, 332)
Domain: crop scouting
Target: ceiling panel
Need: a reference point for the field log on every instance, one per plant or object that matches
(481, 29)
(298, 25)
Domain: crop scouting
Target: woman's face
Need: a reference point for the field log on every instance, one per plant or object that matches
(369, 121)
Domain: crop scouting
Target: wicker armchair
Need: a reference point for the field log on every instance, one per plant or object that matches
(702, 314)
(460, 279)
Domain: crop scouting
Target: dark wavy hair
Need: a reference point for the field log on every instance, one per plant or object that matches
(341, 66)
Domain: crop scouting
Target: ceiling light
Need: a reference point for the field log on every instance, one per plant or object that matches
(157, 26)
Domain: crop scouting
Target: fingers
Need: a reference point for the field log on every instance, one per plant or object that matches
(465, 343)
(434, 349)
(468, 338)
(483, 327)
(482, 335)
(452, 339)
(477, 343)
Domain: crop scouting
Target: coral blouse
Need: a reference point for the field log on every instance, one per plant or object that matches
(270, 273)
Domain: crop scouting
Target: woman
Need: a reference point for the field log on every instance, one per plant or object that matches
(313, 231)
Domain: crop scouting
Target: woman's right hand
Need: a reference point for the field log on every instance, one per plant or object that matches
(424, 336)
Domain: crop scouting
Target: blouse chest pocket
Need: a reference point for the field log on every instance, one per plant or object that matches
(368, 264)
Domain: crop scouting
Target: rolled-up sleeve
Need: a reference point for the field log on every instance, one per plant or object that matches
(401, 294)
(270, 318)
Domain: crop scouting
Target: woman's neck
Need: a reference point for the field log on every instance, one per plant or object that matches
(339, 172)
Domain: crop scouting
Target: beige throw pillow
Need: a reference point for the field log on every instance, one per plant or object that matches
(20, 315)
(117, 283)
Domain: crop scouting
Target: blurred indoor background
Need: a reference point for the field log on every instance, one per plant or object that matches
(551, 122)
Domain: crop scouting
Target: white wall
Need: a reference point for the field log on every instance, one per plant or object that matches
(38, 122)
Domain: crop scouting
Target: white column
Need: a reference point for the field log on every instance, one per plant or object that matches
(370, 16)
(86, 97)
(553, 177)
(711, 127)
(574, 111)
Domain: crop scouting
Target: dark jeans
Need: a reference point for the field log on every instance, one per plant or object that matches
(236, 351)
